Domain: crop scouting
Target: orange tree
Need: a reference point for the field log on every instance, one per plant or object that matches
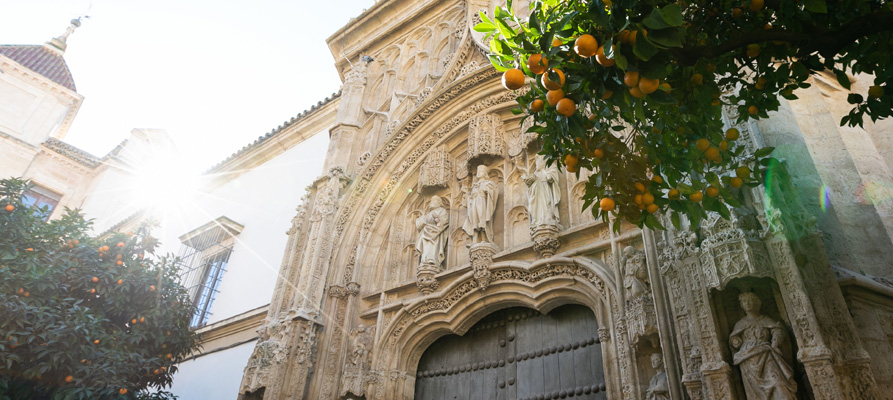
(634, 89)
(80, 317)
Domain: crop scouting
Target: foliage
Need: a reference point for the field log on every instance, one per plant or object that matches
(81, 317)
(670, 143)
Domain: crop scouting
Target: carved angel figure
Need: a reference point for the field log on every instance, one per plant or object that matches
(543, 193)
(659, 388)
(432, 227)
(759, 340)
(481, 203)
(635, 273)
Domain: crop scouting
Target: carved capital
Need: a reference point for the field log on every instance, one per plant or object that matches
(545, 240)
(481, 257)
(426, 279)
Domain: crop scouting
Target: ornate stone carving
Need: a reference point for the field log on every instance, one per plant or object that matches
(435, 171)
(364, 158)
(659, 387)
(392, 127)
(423, 95)
(481, 257)
(519, 139)
(357, 373)
(485, 136)
(727, 252)
(545, 240)
(462, 166)
(481, 205)
(327, 196)
(543, 193)
(431, 243)
(761, 353)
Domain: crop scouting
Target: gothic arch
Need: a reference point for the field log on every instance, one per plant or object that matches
(543, 286)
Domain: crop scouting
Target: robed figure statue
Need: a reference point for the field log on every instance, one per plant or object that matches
(760, 353)
(432, 227)
(481, 204)
(543, 193)
(659, 387)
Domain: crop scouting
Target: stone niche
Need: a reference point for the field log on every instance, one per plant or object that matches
(729, 311)
(436, 169)
(485, 136)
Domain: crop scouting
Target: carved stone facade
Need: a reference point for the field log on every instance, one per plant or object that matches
(666, 303)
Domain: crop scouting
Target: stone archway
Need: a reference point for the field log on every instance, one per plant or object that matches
(517, 353)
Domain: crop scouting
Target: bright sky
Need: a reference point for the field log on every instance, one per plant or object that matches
(216, 74)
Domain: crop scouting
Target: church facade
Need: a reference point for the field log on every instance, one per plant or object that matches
(438, 257)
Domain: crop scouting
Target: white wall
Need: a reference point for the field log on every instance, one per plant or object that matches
(27, 111)
(263, 200)
(214, 376)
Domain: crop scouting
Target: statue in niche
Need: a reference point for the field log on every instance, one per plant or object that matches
(432, 228)
(759, 346)
(357, 367)
(659, 388)
(481, 204)
(635, 273)
(543, 193)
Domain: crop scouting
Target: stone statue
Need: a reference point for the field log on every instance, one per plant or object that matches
(481, 204)
(543, 193)
(357, 366)
(659, 388)
(758, 342)
(432, 228)
(635, 273)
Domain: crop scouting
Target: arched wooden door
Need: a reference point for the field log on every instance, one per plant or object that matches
(517, 353)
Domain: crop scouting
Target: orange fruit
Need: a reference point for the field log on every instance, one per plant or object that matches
(142, 319)
(696, 196)
(549, 84)
(632, 37)
(873, 92)
(648, 86)
(69, 378)
(571, 160)
(10, 207)
(554, 96)
(537, 64)
(133, 321)
(697, 79)
(640, 186)
(647, 199)
(151, 288)
(120, 244)
(93, 291)
(513, 79)
(636, 92)
(585, 46)
(753, 110)
(712, 154)
(566, 107)
(637, 199)
(27, 294)
(607, 94)
(753, 50)
(702, 144)
(623, 37)
(119, 262)
(732, 134)
(122, 391)
(756, 5)
(120, 281)
(631, 78)
(599, 153)
(95, 279)
(665, 87)
(657, 179)
(742, 172)
(105, 248)
(537, 105)
(606, 204)
(761, 83)
(169, 355)
(737, 12)
(651, 208)
(556, 42)
(724, 145)
(673, 194)
(712, 191)
(736, 182)
(602, 59)
(96, 341)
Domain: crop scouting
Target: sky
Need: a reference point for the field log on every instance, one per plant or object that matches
(215, 74)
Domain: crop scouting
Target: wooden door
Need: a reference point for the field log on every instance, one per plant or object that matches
(517, 353)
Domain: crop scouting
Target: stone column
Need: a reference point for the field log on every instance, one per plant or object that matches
(348, 119)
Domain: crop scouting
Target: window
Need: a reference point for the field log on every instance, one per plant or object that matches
(38, 197)
(204, 256)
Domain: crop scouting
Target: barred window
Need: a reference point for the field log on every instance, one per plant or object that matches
(204, 255)
(38, 197)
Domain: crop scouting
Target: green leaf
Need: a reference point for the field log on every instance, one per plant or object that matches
(661, 97)
(666, 37)
(655, 20)
(842, 79)
(484, 27)
(674, 218)
(672, 14)
(816, 6)
(620, 60)
(765, 151)
(644, 49)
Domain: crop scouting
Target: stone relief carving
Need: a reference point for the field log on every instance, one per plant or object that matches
(481, 205)
(485, 136)
(392, 127)
(640, 312)
(519, 139)
(659, 387)
(729, 251)
(364, 158)
(327, 197)
(481, 257)
(760, 352)
(635, 273)
(544, 193)
(357, 372)
(431, 243)
(435, 171)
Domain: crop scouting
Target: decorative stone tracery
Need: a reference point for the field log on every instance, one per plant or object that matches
(485, 136)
